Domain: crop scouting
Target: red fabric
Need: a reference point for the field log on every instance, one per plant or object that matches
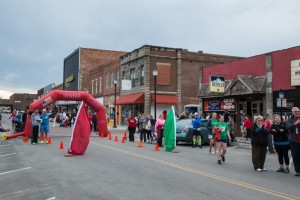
(248, 124)
(131, 122)
(81, 133)
(267, 124)
(131, 99)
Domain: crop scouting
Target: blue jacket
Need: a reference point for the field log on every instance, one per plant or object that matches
(196, 122)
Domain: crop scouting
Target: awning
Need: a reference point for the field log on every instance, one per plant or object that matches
(165, 99)
(131, 99)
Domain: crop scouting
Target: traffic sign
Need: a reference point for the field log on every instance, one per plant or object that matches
(281, 95)
(284, 103)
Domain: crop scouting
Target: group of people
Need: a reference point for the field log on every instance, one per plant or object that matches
(285, 138)
(149, 129)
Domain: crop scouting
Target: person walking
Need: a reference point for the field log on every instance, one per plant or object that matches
(197, 136)
(293, 127)
(222, 141)
(35, 121)
(24, 118)
(281, 143)
(159, 129)
(267, 124)
(259, 142)
(248, 125)
(44, 128)
(131, 124)
(213, 122)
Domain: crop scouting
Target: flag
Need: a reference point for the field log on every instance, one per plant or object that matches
(170, 130)
(81, 133)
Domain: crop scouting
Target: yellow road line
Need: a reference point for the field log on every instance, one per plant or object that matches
(203, 173)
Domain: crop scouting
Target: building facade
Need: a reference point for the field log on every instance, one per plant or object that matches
(252, 85)
(177, 81)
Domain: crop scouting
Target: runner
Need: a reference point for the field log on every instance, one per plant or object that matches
(222, 142)
(211, 123)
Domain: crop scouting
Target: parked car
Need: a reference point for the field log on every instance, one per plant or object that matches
(184, 131)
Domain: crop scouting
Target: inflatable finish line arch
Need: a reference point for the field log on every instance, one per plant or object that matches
(63, 95)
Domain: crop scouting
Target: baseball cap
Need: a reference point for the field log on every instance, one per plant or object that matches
(195, 113)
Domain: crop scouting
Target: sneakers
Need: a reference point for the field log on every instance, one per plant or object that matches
(194, 146)
(219, 162)
(280, 170)
(264, 169)
(297, 174)
(258, 169)
(223, 158)
(200, 146)
(286, 170)
(33, 143)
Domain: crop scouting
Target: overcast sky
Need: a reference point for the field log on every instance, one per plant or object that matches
(36, 35)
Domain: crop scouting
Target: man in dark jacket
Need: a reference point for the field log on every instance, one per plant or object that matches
(293, 126)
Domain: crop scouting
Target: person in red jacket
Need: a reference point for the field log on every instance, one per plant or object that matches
(248, 125)
(131, 123)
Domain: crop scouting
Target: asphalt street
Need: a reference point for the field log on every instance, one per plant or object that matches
(113, 170)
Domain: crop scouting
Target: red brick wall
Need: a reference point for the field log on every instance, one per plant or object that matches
(281, 66)
(254, 66)
(90, 58)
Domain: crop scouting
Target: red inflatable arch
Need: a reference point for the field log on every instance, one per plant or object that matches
(63, 95)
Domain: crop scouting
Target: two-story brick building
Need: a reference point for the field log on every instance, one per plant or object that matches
(178, 79)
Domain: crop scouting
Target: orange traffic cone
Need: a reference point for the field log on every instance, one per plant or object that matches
(116, 138)
(123, 140)
(156, 147)
(125, 135)
(109, 136)
(25, 139)
(49, 140)
(140, 144)
(61, 146)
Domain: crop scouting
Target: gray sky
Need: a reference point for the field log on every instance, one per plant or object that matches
(37, 35)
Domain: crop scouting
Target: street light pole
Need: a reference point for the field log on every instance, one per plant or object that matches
(155, 72)
(115, 83)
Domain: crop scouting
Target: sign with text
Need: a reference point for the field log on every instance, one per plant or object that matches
(295, 72)
(219, 104)
(217, 84)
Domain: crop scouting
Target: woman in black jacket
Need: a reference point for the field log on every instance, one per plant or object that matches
(259, 142)
(281, 143)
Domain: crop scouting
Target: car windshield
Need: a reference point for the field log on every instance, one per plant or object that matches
(186, 122)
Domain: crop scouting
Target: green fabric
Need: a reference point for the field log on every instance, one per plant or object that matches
(170, 130)
(224, 128)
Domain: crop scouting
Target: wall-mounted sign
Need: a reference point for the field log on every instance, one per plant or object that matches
(69, 80)
(219, 104)
(217, 84)
(126, 85)
(295, 72)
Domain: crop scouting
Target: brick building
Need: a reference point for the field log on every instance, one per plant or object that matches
(178, 79)
(22, 100)
(102, 85)
(77, 68)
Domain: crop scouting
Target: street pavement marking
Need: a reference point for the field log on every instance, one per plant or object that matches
(52, 198)
(232, 147)
(8, 154)
(8, 172)
(4, 145)
(203, 173)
